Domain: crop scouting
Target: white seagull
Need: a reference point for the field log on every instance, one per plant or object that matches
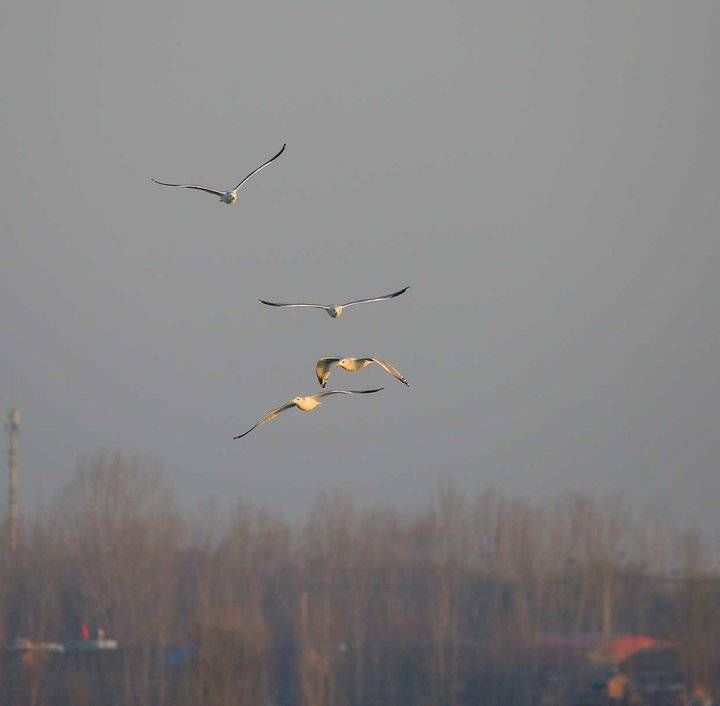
(335, 311)
(352, 365)
(305, 404)
(228, 197)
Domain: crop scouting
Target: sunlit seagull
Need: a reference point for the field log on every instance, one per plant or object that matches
(335, 311)
(352, 365)
(228, 197)
(305, 404)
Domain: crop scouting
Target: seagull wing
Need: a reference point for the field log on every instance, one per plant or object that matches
(314, 306)
(389, 368)
(322, 369)
(190, 186)
(267, 418)
(257, 169)
(320, 395)
(379, 299)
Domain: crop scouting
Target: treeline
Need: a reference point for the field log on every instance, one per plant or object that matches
(350, 606)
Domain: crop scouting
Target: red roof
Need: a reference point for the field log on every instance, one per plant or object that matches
(618, 649)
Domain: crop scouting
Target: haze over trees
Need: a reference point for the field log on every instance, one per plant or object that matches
(350, 606)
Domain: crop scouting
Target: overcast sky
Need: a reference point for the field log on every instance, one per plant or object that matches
(544, 176)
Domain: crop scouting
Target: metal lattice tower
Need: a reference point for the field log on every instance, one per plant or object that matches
(12, 425)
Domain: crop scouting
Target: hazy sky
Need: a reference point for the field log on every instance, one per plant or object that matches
(543, 175)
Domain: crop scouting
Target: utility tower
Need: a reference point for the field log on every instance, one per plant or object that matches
(12, 425)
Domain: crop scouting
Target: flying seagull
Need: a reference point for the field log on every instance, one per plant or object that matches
(335, 311)
(228, 197)
(352, 365)
(304, 404)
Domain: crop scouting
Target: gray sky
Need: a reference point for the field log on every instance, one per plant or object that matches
(544, 176)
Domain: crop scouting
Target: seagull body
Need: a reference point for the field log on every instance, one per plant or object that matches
(305, 404)
(228, 197)
(335, 311)
(352, 365)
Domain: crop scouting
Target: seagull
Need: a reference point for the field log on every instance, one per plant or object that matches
(352, 365)
(305, 404)
(335, 311)
(228, 197)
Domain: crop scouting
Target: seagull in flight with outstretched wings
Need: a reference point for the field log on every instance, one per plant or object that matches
(335, 310)
(304, 404)
(352, 365)
(228, 197)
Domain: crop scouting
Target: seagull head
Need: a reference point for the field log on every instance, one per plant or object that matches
(335, 311)
(296, 400)
(344, 363)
